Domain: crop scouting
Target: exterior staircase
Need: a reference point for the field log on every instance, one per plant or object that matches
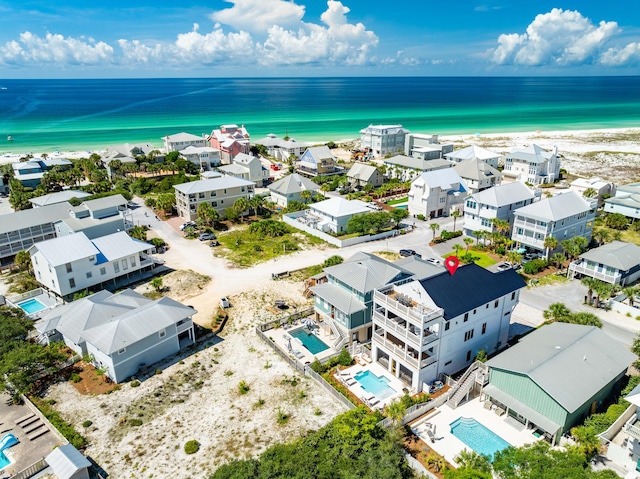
(475, 372)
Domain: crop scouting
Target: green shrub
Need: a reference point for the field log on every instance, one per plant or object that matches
(158, 371)
(75, 377)
(191, 447)
(243, 387)
(283, 417)
(87, 423)
(535, 266)
(60, 424)
(318, 367)
(344, 358)
(420, 217)
(135, 383)
(134, 422)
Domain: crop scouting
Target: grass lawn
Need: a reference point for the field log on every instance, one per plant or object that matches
(482, 258)
(244, 249)
(397, 202)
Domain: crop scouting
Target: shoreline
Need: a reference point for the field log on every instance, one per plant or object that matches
(611, 153)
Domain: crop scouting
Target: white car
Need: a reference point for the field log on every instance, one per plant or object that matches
(504, 266)
(183, 226)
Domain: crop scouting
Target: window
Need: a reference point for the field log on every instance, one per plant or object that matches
(201, 196)
(162, 333)
(474, 311)
(443, 200)
(214, 194)
(242, 189)
(116, 267)
(486, 306)
(468, 355)
(513, 296)
(447, 363)
(103, 271)
(92, 258)
(214, 204)
(68, 266)
(133, 261)
(495, 305)
(122, 351)
(468, 335)
(125, 265)
(72, 283)
(89, 274)
(446, 326)
(484, 328)
(466, 317)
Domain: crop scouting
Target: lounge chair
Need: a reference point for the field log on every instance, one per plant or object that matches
(298, 354)
(344, 373)
(367, 359)
(372, 402)
(350, 381)
(487, 405)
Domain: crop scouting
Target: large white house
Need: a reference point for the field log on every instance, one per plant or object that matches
(121, 332)
(477, 153)
(425, 147)
(247, 167)
(499, 202)
(562, 216)
(478, 175)
(383, 139)
(616, 262)
(437, 193)
(626, 201)
(408, 168)
(97, 217)
(220, 192)
(598, 186)
(332, 215)
(204, 157)
(290, 189)
(180, 141)
(282, 149)
(532, 164)
(424, 329)
(73, 263)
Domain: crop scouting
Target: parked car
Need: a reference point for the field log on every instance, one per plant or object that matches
(206, 236)
(409, 252)
(184, 226)
(504, 266)
(432, 261)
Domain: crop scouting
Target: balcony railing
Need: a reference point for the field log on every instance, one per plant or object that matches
(403, 332)
(401, 354)
(631, 429)
(419, 314)
(580, 267)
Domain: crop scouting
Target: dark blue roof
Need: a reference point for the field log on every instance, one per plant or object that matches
(470, 287)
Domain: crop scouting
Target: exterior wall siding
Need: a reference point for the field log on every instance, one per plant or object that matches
(522, 388)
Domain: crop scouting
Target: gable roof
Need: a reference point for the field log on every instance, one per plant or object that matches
(532, 154)
(212, 184)
(338, 207)
(293, 183)
(245, 159)
(570, 362)
(503, 195)
(234, 168)
(475, 169)
(362, 171)
(119, 245)
(317, 153)
(59, 197)
(365, 272)
(473, 152)
(183, 137)
(338, 297)
(33, 217)
(66, 460)
(617, 254)
(470, 287)
(105, 202)
(556, 208)
(445, 179)
(65, 249)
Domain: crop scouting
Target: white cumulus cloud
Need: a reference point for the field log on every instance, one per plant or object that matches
(559, 37)
(630, 54)
(31, 49)
(260, 15)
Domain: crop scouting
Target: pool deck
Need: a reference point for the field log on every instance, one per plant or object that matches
(48, 300)
(449, 446)
(281, 337)
(394, 383)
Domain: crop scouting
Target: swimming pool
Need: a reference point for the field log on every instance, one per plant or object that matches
(31, 306)
(403, 206)
(378, 385)
(4, 461)
(313, 343)
(477, 437)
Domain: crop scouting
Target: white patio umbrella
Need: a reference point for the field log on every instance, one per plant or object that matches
(309, 323)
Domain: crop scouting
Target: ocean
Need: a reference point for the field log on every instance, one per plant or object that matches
(78, 115)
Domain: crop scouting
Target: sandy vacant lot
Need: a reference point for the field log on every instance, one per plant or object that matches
(199, 398)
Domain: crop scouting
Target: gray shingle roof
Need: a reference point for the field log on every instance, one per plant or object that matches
(365, 272)
(294, 183)
(475, 169)
(504, 194)
(570, 362)
(33, 217)
(212, 184)
(555, 208)
(617, 254)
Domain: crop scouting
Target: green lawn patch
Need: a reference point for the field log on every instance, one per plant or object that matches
(397, 202)
(481, 258)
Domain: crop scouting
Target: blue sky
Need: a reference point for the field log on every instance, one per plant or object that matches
(76, 39)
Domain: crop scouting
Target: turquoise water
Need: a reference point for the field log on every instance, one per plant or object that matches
(4, 461)
(31, 306)
(313, 343)
(477, 437)
(378, 385)
(45, 115)
(403, 206)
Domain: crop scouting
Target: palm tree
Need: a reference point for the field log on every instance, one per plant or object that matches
(156, 283)
(468, 242)
(558, 259)
(396, 411)
(502, 226)
(256, 203)
(556, 312)
(473, 460)
(434, 227)
(240, 206)
(590, 193)
(590, 283)
(601, 236)
(550, 243)
(457, 248)
(630, 292)
(478, 234)
(588, 442)
(436, 462)
(514, 257)
(455, 214)
(305, 196)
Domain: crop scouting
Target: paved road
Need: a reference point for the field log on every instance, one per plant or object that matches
(195, 255)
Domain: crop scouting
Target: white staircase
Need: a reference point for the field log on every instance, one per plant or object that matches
(465, 384)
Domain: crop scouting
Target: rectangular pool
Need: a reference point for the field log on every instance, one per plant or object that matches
(31, 306)
(312, 342)
(378, 385)
(477, 437)
(4, 461)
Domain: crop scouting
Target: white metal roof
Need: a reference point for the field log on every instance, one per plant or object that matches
(503, 195)
(556, 208)
(338, 207)
(66, 460)
(65, 249)
(293, 183)
(473, 151)
(617, 254)
(33, 217)
(59, 197)
(212, 184)
(119, 245)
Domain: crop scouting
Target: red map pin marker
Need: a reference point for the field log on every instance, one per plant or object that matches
(452, 263)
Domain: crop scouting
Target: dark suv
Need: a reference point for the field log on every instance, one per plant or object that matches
(408, 252)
